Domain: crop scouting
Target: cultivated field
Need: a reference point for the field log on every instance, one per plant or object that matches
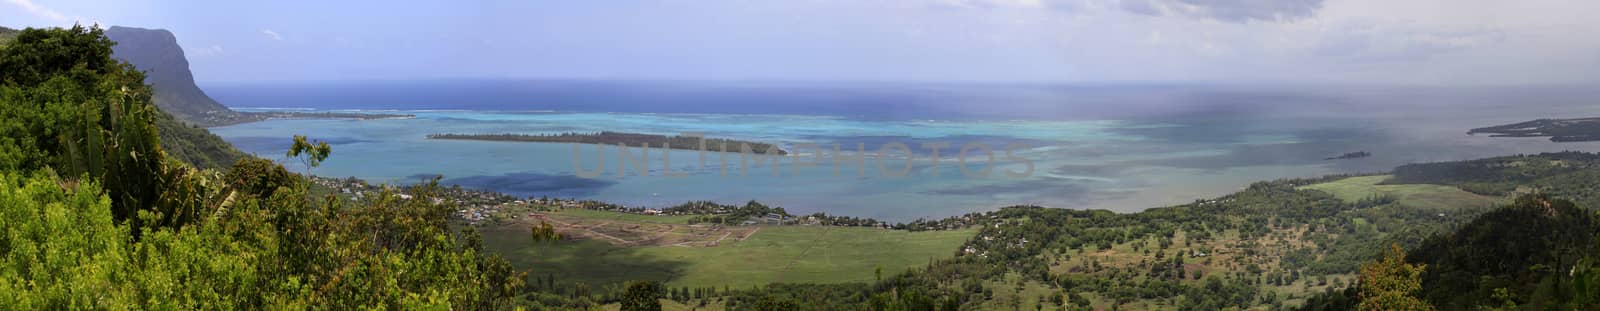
(1414, 195)
(609, 248)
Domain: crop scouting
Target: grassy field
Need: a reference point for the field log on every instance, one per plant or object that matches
(1414, 195)
(624, 217)
(814, 254)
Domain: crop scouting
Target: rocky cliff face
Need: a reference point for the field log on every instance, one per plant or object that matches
(156, 52)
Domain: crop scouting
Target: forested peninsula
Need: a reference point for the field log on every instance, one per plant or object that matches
(1558, 130)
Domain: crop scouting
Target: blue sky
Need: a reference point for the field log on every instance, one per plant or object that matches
(1299, 41)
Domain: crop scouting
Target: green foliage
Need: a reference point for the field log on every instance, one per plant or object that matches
(309, 154)
(1586, 282)
(1391, 283)
(1528, 248)
(1536, 253)
(249, 256)
(67, 105)
(642, 296)
(6, 35)
(544, 232)
(127, 227)
(258, 177)
(1568, 175)
(34, 56)
(195, 145)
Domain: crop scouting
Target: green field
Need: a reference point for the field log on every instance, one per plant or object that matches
(594, 214)
(1415, 195)
(813, 254)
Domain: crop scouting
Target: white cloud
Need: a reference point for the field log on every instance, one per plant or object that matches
(38, 10)
(272, 34)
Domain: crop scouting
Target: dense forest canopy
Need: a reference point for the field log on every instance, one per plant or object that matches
(97, 214)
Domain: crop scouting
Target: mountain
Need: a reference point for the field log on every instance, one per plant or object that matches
(6, 34)
(188, 110)
(157, 53)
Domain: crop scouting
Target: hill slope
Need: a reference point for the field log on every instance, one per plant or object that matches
(195, 145)
(6, 34)
(157, 53)
(186, 108)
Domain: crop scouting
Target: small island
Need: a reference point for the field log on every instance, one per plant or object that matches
(1558, 130)
(1351, 155)
(629, 139)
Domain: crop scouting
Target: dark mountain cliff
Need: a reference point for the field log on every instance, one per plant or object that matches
(156, 52)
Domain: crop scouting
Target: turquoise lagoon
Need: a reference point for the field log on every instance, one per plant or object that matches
(1121, 148)
(1088, 164)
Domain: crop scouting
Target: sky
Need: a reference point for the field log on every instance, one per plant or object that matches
(1447, 42)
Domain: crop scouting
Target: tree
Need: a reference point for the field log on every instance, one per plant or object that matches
(69, 106)
(258, 177)
(544, 233)
(309, 154)
(1391, 283)
(103, 218)
(642, 296)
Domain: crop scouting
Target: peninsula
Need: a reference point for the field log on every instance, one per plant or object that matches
(1559, 130)
(630, 139)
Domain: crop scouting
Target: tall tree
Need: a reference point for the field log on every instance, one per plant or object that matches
(642, 296)
(1391, 283)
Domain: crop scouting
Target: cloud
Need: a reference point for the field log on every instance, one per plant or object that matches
(1390, 42)
(1059, 5)
(38, 10)
(272, 34)
(1235, 11)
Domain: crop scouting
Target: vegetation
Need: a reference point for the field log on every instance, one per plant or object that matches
(6, 34)
(1428, 196)
(97, 215)
(99, 212)
(195, 145)
(1559, 130)
(810, 254)
(1391, 283)
(629, 139)
(1568, 175)
(1275, 244)
(309, 154)
(1532, 254)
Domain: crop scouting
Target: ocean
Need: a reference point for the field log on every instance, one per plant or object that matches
(1118, 147)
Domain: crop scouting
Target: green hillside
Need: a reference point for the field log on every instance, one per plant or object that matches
(1537, 253)
(183, 141)
(1429, 196)
(95, 215)
(6, 34)
(195, 145)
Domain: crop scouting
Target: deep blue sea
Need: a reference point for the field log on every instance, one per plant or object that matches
(1118, 147)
